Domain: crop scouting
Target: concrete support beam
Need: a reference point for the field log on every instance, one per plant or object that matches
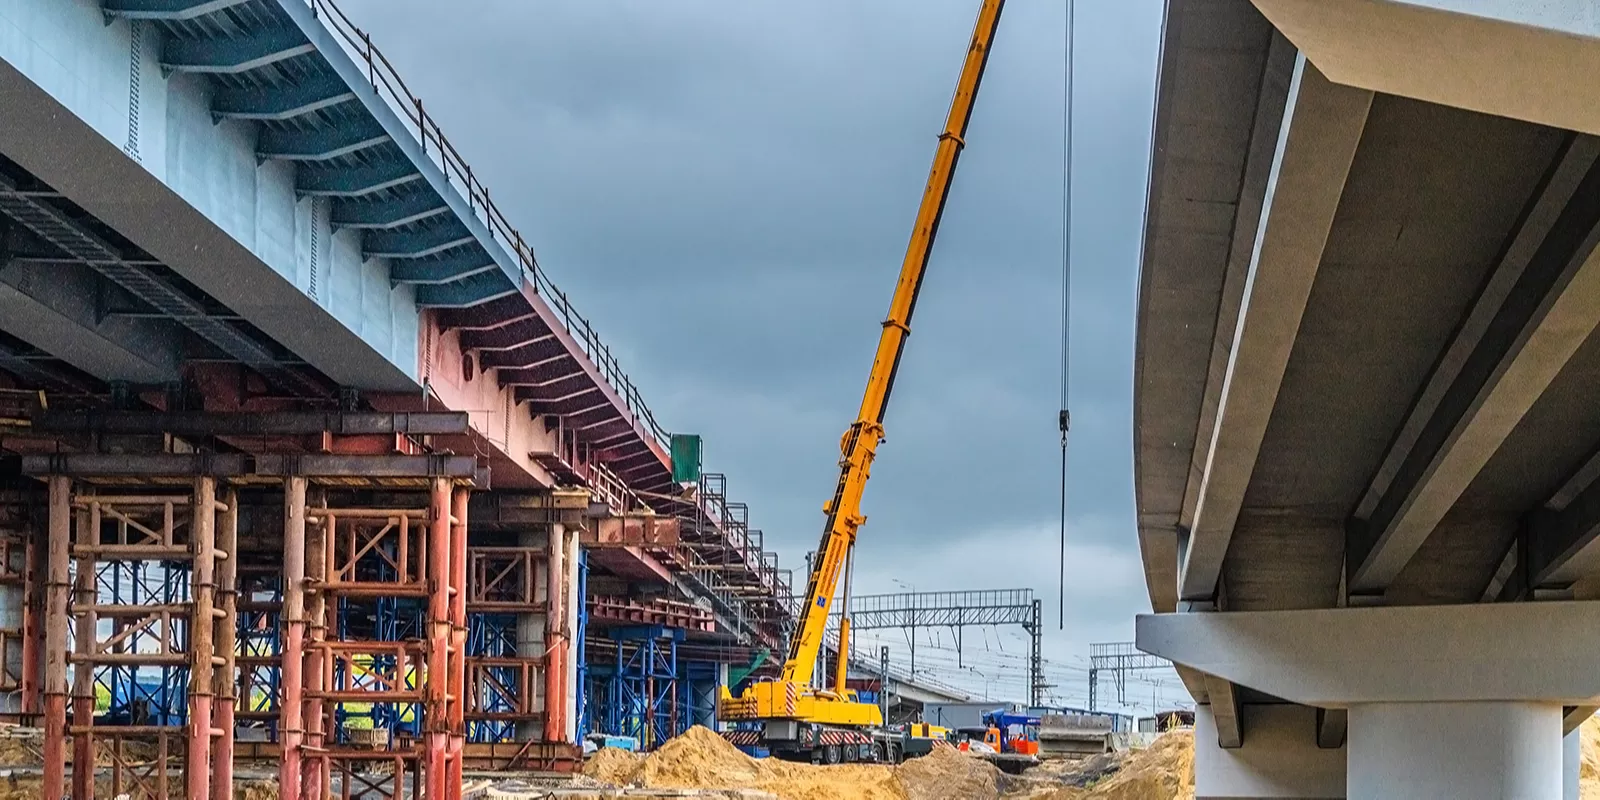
(1224, 711)
(1542, 303)
(1507, 58)
(1333, 724)
(1317, 141)
(1338, 658)
(1573, 716)
(1280, 760)
(233, 55)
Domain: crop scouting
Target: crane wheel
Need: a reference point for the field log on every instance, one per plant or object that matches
(830, 754)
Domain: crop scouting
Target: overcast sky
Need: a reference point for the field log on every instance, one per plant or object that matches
(726, 189)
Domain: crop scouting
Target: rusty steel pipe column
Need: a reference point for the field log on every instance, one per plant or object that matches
(436, 722)
(458, 640)
(55, 637)
(226, 681)
(315, 773)
(555, 647)
(32, 632)
(291, 709)
(84, 623)
(202, 623)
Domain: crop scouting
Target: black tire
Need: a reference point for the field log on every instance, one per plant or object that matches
(895, 755)
(831, 755)
(880, 753)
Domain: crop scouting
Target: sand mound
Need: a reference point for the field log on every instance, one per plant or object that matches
(613, 766)
(948, 772)
(1162, 771)
(701, 759)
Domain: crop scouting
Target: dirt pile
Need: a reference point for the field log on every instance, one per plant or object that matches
(948, 772)
(612, 766)
(1162, 771)
(701, 759)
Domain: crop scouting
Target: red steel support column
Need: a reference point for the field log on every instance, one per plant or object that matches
(291, 703)
(458, 640)
(202, 623)
(83, 623)
(32, 632)
(226, 680)
(55, 638)
(316, 780)
(435, 716)
(555, 639)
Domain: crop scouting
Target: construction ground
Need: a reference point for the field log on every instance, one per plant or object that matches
(701, 763)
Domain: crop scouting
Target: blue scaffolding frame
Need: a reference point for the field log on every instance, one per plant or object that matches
(493, 635)
(638, 694)
(144, 695)
(260, 643)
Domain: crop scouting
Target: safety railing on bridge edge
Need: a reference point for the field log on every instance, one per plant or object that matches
(388, 84)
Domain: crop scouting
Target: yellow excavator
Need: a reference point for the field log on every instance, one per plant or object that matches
(802, 719)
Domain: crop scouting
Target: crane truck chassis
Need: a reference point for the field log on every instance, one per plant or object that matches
(792, 740)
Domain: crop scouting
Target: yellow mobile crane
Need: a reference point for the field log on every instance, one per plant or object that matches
(800, 720)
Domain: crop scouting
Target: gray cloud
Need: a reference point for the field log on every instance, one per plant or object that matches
(726, 189)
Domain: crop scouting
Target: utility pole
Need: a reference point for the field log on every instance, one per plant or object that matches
(883, 681)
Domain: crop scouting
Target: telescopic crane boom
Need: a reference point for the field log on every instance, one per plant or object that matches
(791, 697)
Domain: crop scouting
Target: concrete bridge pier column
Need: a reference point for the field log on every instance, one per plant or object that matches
(1447, 750)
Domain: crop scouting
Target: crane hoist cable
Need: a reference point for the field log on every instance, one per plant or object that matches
(1064, 420)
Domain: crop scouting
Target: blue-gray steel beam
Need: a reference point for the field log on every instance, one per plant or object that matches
(467, 292)
(173, 10)
(416, 242)
(68, 234)
(233, 55)
(280, 102)
(58, 308)
(355, 181)
(444, 269)
(320, 144)
(384, 213)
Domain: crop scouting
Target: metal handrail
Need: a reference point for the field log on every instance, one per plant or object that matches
(389, 86)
